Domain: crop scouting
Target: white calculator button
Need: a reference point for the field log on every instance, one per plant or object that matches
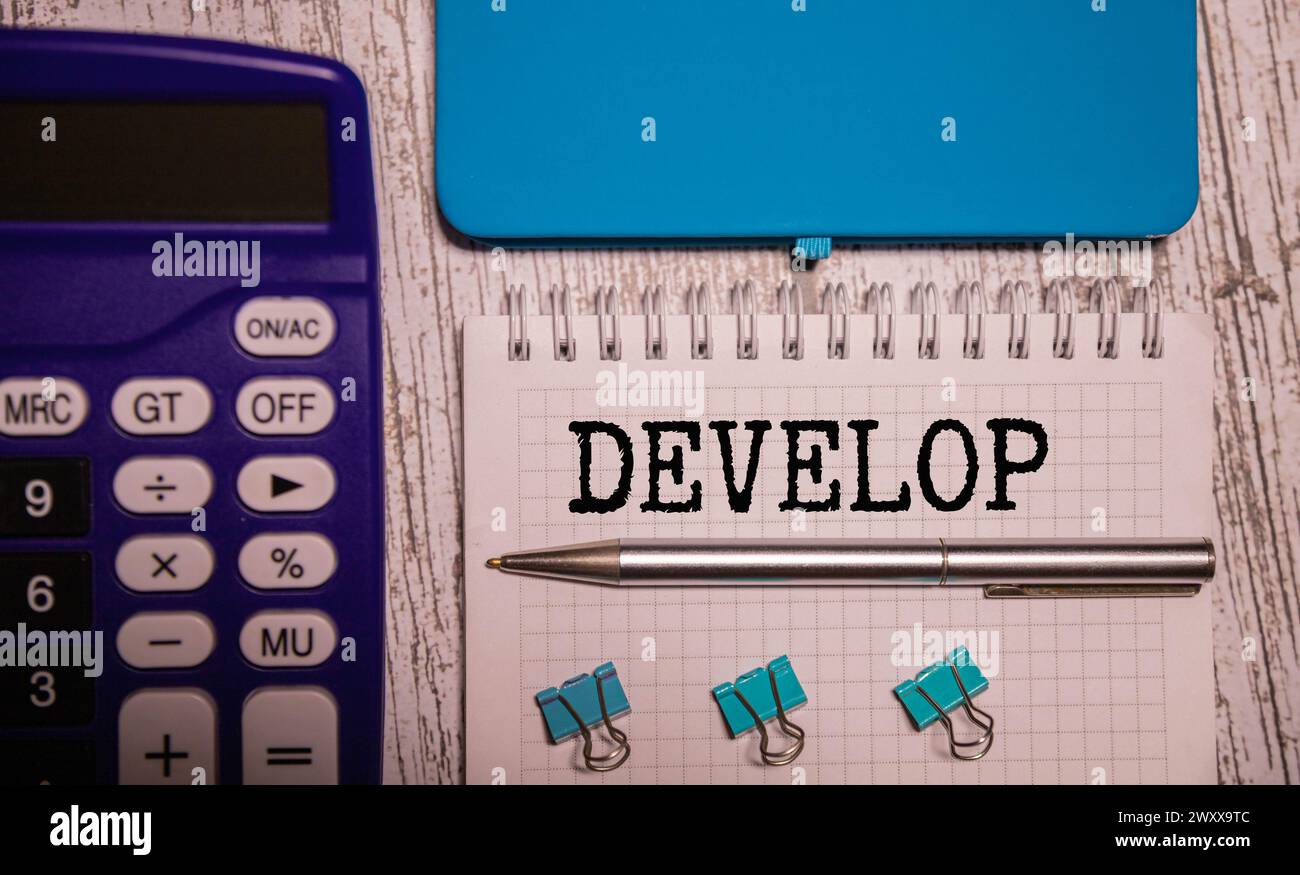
(291, 736)
(287, 639)
(41, 406)
(162, 484)
(163, 736)
(164, 563)
(287, 560)
(284, 405)
(293, 327)
(166, 639)
(162, 405)
(286, 484)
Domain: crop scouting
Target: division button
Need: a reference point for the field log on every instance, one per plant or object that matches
(164, 563)
(286, 484)
(274, 406)
(290, 327)
(162, 405)
(170, 639)
(287, 639)
(287, 560)
(41, 406)
(163, 736)
(162, 484)
(291, 736)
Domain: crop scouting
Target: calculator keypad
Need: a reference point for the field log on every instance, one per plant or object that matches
(165, 624)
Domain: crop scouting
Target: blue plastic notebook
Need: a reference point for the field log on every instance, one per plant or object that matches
(619, 121)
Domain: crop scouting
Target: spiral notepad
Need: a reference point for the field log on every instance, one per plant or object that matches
(1114, 690)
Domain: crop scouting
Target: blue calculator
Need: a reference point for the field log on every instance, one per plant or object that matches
(191, 471)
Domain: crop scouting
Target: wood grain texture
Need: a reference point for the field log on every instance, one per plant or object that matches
(1236, 259)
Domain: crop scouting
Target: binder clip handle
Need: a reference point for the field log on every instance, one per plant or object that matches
(984, 743)
(622, 750)
(790, 754)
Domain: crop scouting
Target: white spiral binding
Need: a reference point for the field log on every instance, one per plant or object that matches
(925, 299)
(1153, 319)
(1060, 300)
(790, 300)
(1018, 293)
(609, 305)
(880, 301)
(743, 295)
(974, 304)
(566, 345)
(1105, 293)
(699, 303)
(655, 304)
(836, 304)
(518, 346)
(837, 335)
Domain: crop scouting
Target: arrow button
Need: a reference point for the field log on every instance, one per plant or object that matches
(286, 484)
(281, 485)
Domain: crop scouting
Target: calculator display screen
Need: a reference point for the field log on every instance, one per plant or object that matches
(163, 162)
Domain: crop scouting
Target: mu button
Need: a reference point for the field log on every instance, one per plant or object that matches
(286, 484)
(288, 639)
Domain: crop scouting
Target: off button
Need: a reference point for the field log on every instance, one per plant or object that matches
(289, 327)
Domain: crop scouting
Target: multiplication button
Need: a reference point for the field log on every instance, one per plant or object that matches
(164, 563)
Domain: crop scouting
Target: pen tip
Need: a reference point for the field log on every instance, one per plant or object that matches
(494, 563)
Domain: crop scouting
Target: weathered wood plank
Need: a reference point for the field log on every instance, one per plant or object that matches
(1236, 259)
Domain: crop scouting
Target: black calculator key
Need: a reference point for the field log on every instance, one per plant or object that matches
(59, 762)
(38, 696)
(44, 496)
(45, 590)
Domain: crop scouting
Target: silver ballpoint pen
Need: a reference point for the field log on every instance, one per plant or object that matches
(1006, 568)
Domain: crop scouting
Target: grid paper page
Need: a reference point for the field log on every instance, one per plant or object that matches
(1115, 690)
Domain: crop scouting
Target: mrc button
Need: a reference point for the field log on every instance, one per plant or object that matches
(41, 406)
(290, 327)
(284, 405)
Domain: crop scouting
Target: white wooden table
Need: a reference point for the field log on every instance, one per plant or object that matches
(1238, 259)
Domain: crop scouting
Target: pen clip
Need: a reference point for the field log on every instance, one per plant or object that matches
(1088, 590)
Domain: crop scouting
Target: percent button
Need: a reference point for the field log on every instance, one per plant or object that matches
(287, 560)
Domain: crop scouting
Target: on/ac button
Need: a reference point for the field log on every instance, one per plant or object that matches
(289, 327)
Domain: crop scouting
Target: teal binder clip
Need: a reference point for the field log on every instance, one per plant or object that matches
(580, 704)
(756, 697)
(938, 690)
